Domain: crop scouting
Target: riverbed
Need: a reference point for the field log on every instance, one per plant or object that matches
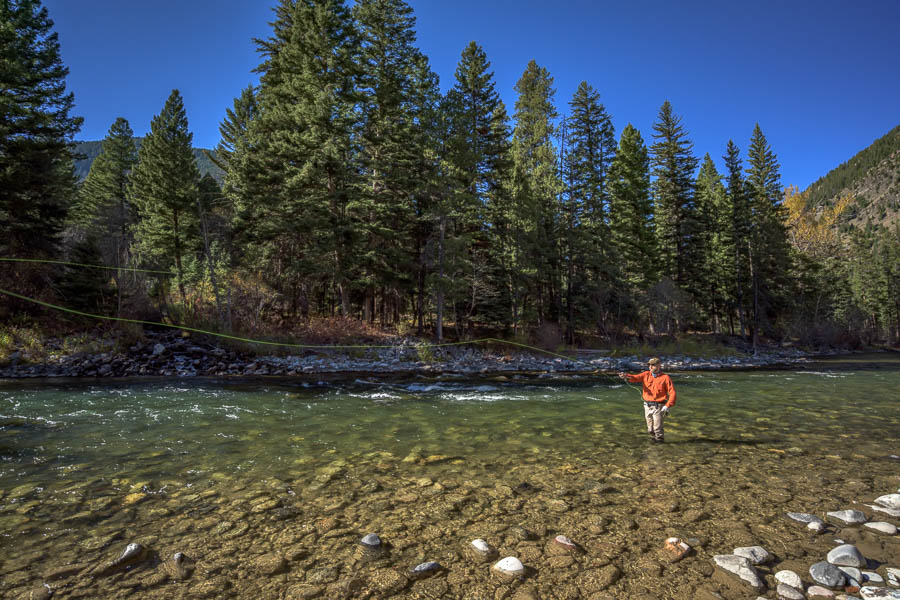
(266, 485)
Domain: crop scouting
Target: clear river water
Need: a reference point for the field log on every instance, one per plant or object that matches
(267, 485)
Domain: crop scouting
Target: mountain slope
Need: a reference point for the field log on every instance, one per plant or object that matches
(872, 178)
(88, 151)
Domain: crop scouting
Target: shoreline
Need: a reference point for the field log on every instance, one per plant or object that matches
(174, 356)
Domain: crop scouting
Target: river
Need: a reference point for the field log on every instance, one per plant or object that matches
(267, 485)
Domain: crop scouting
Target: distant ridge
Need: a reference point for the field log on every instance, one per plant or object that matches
(872, 177)
(91, 150)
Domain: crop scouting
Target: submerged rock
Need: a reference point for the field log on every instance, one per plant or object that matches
(755, 554)
(881, 527)
(133, 554)
(480, 550)
(426, 569)
(741, 567)
(851, 517)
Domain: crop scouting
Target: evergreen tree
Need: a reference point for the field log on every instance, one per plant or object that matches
(735, 238)
(299, 169)
(37, 181)
(470, 109)
(673, 166)
(163, 189)
(631, 216)
(769, 256)
(383, 206)
(537, 187)
(710, 248)
(590, 148)
(234, 131)
(102, 211)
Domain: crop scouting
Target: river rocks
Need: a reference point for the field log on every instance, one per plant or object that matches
(269, 564)
(509, 568)
(133, 554)
(676, 549)
(741, 567)
(789, 578)
(371, 542)
(158, 349)
(812, 521)
(480, 550)
(787, 592)
(867, 593)
(827, 574)
(816, 592)
(893, 576)
(893, 512)
(846, 555)
(565, 544)
(889, 501)
(757, 555)
(425, 569)
(881, 527)
(848, 517)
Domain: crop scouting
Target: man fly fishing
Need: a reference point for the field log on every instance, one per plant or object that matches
(658, 393)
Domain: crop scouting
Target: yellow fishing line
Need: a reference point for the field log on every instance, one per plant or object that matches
(74, 264)
(248, 340)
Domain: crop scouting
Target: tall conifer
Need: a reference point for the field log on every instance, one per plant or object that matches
(37, 181)
(163, 189)
(673, 166)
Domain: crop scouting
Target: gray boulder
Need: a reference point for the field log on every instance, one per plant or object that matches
(827, 574)
(741, 567)
(846, 555)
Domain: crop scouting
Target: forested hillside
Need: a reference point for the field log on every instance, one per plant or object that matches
(871, 178)
(86, 152)
(355, 193)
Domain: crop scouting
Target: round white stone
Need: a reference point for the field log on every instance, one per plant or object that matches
(789, 578)
(882, 527)
(819, 592)
(510, 565)
(481, 545)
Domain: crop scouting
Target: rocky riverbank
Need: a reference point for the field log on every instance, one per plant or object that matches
(172, 355)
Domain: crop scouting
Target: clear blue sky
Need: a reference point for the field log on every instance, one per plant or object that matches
(820, 76)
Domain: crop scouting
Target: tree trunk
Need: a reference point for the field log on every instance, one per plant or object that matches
(440, 286)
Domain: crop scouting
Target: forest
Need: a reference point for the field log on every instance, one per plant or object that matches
(357, 195)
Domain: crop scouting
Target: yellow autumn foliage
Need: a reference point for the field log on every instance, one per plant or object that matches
(813, 230)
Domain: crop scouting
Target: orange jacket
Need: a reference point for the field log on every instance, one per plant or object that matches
(655, 389)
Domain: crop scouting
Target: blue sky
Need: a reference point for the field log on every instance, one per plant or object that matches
(820, 77)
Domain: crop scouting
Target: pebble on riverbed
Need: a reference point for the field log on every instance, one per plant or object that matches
(509, 568)
(848, 517)
(741, 567)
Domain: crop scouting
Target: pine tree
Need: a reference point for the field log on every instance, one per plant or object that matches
(769, 256)
(537, 187)
(37, 181)
(163, 189)
(588, 253)
(735, 239)
(102, 211)
(710, 249)
(299, 169)
(673, 166)
(631, 218)
(470, 109)
(383, 205)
